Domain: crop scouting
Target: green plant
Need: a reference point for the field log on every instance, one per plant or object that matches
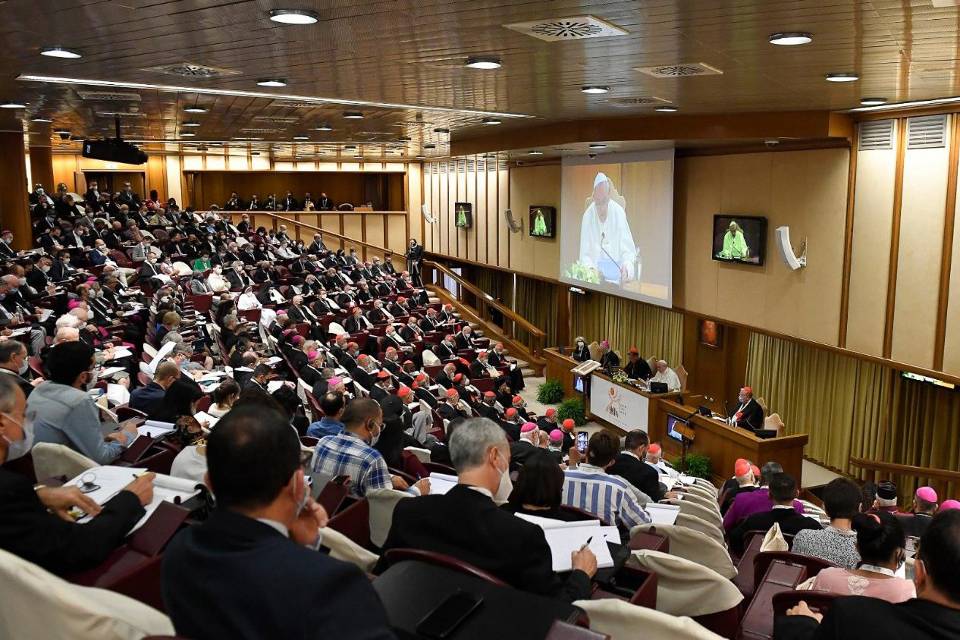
(572, 408)
(697, 465)
(582, 272)
(550, 392)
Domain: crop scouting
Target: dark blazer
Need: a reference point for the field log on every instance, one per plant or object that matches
(208, 569)
(28, 530)
(860, 617)
(466, 524)
(639, 370)
(752, 417)
(639, 474)
(789, 520)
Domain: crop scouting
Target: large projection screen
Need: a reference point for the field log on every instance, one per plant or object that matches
(616, 225)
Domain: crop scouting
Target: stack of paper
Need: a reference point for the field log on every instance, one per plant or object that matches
(112, 480)
(121, 352)
(440, 483)
(663, 513)
(566, 537)
(155, 428)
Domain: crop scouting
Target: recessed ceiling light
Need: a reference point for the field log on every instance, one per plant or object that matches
(349, 147)
(324, 127)
(353, 115)
(872, 102)
(189, 124)
(195, 109)
(420, 158)
(441, 130)
(598, 145)
(358, 157)
(791, 38)
(301, 137)
(667, 109)
(483, 62)
(187, 134)
(429, 146)
(59, 52)
(594, 89)
(842, 77)
(254, 153)
(490, 121)
(535, 152)
(294, 16)
(12, 105)
(39, 119)
(404, 139)
(272, 82)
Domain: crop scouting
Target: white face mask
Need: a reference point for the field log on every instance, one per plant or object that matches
(23, 367)
(505, 488)
(376, 437)
(19, 448)
(22, 282)
(92, 382)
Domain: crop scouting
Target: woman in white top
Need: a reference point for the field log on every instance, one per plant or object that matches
(248, 300)
(191, 462)
(223, 398)
(216, 281)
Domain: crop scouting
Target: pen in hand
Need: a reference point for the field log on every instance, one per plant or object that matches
(587, 543)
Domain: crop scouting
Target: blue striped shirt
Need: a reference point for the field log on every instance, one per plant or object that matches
(611, 498)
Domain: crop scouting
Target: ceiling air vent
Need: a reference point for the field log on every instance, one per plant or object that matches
(260, 130)
(561, 29)
(109, 96)
(190, 70)
(926, 132)
(639, 101)
(276, 119)
(681, 70)
(876, 135)
(121, 114)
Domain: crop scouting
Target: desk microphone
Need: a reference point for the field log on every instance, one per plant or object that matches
(603, 237)
(726, 411)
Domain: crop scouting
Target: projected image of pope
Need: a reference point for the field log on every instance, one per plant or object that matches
(734, 244)
(606, 242)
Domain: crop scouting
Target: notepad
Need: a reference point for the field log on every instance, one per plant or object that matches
(663, 513)
(117, 393)
(121, 352)
(566, 537)
(112, 480)
(155, 428)
(203, 416)
(440, 483)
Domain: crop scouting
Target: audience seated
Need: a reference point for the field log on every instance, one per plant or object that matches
(265, 531)
(630, 465)
(880, 544)
(467, 524)
(748, 503)
(924, 507)
(932, 614)
(538, 490)
(783, 491)
(837, 541)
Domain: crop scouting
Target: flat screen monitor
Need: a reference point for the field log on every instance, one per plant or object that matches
(739, 239)
(578, 383)
(672, 422)
(463, 214)
(543, 221)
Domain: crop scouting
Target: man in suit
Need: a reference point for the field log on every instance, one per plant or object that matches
(13, 364)
(932, 614)
(356, 322)
(34, 520)
(783, 491)
(324, 203)
(446, 349)
(637, 368)
(749, 414)
(265, 525)
(526, 447)
(629, 465)
(451, 407)
(608, 358)
(467, 524)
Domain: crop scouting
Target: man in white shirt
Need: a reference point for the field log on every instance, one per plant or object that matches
(606, 242)
(666, 375)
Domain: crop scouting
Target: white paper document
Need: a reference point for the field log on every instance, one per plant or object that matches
(663, 513)
(440, 483)
(117, 394)
(566, 537)
(111, 480)
(155, 428)
(204, 417)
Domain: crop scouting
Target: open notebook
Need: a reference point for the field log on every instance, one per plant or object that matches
(567, 537)
(112, 480)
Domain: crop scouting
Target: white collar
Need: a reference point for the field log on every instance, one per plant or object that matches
(631, 454)
(783, 506)
(589, 468)
(278, 526)
(482, 490)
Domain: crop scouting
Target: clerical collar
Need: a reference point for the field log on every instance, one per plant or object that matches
(278, 526)
(482, 490)
(783, 506)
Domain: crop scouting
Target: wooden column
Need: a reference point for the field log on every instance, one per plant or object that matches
(41, 167)
(14, 204)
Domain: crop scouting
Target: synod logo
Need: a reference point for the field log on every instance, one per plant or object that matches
(615, 408)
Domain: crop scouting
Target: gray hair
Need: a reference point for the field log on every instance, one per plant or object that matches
(471, 441)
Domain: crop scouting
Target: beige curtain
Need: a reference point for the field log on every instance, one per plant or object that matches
(536, 301)
(855, 408)
(655, 331)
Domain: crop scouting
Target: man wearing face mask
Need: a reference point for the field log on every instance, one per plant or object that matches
(265, 525)
(351, 453)
(467, 524)
(34, 519)
(63, 411)
(14, 365)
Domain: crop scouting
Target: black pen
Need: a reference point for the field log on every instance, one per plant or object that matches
(587, 543)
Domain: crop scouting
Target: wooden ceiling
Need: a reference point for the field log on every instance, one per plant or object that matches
(412, 52)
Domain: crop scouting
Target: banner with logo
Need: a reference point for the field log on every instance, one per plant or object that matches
(617, 405)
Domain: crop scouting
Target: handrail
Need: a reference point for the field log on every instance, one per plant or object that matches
(326, 232)
(924, 472)
(486, 299)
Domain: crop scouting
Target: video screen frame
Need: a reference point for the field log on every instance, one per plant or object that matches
(463, 215)
(721, 224)
(542, 216)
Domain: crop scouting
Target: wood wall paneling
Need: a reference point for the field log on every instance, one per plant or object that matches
(503, 203)
(376, 228)
(534, 185)
(870, 255)
(946, 263)
(482, 223)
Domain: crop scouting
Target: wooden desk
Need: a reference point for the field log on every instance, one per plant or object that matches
(723, 444)
(558, 368)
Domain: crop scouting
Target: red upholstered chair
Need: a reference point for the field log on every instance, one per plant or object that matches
(764, 558)
(818, 600)
(393, 556)
(334, 493)
(436, 467)
(354, 522)
(757, 623)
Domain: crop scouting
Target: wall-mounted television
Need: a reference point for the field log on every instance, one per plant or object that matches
(739, 239)
(543, 221)
(463, 214)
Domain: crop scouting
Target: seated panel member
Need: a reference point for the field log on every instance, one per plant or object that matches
(749, 413)
(636, 367)
(467, 524)
(252, 570)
